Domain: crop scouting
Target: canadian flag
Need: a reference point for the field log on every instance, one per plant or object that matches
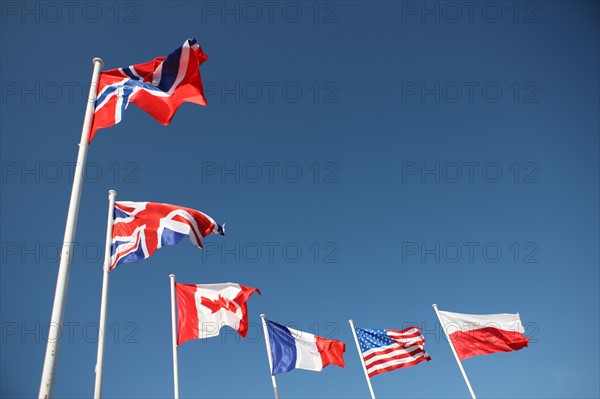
(203, 309)
(473, 335)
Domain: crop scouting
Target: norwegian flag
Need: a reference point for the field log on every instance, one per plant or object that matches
(140, 228)
(158, 87)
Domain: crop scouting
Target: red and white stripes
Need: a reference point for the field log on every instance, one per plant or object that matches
(386, 350)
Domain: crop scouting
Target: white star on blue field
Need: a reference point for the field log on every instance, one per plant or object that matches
(369, 158)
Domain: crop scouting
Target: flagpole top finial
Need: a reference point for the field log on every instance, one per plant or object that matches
(171, 276)
(434, 305)
(262, 315)
(112, 192)
(98, 59)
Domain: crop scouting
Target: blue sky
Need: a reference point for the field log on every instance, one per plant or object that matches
(369, 158)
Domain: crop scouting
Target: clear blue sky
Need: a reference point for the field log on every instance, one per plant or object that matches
(369, 158)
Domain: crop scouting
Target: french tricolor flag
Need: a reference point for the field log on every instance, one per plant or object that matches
(293, 349)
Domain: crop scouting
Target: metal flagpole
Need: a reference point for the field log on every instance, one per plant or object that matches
(462, 370)
(112, 194)
(60, 295)
(174, 333)
(268, 344)
(362, 359)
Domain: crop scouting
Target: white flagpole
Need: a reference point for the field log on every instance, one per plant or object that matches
(362, 360)
(174, 333)
(112, 194)
(462, 370)
(60, 296)
(268, 344)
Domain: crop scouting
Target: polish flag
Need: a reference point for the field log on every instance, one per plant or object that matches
(473, 335)
(293, 349)
(203, 309)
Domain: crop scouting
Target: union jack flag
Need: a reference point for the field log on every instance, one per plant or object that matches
(158, 87)
(140, 228)
(387, 350)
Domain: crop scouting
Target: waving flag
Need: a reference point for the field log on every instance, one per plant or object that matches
(140, 228)
(293, 349)
(473, 335)
(387, 350)
(204, 308)
(158, 87)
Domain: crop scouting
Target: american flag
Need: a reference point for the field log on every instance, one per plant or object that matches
(141, 228)
(387, 350)
(158, 87)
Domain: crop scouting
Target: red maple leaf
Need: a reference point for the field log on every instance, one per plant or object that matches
(220, 303)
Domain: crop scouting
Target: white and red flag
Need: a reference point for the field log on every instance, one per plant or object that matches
(203, 309)
(473, 335)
